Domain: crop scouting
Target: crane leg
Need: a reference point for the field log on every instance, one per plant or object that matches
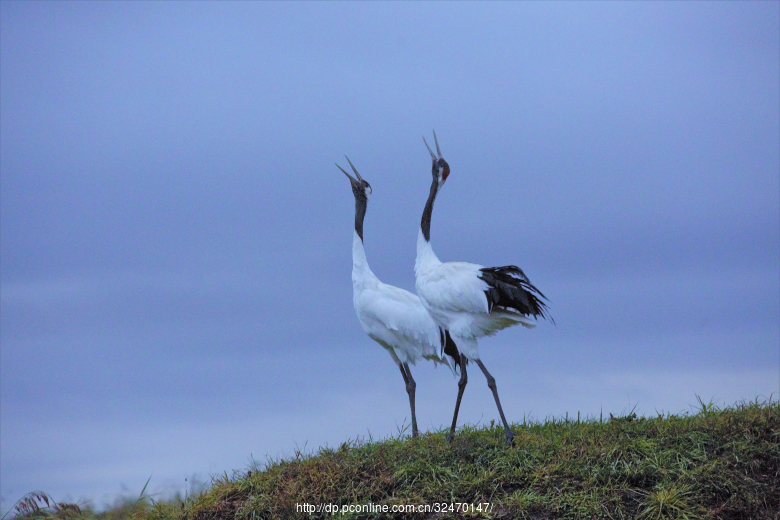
(411, 386)
(491, 381)
(464, 378)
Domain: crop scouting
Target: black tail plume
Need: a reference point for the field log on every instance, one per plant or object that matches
(511, 288)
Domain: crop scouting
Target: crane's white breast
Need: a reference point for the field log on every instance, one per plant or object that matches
(453, 287)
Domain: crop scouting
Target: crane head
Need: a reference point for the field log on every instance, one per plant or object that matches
(440, 168)
(360, 188)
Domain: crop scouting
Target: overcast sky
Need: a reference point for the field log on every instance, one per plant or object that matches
(175, 240)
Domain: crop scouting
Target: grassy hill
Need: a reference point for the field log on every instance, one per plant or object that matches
(712, 464)
(715, 463)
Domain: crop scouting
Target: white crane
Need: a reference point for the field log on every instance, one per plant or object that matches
(392, 317)
(468, 300)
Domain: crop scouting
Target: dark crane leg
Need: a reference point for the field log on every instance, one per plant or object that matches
(492, 385)
(464, 378)
(411, 386)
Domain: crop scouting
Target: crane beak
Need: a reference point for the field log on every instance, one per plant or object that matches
(433, 156)
(437, 144)
(351, 178)
(354, 169)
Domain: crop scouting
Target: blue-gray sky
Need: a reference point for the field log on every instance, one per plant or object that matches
(176, 242)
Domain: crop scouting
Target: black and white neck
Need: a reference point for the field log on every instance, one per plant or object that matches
(361, 272)
(361, 204)
(440, 170)
(362, 191)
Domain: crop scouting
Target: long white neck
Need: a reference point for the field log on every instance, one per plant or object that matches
(361, 272)
(426, 258)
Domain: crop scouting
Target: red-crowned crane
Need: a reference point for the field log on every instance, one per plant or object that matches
(468, 300)
(392, 317)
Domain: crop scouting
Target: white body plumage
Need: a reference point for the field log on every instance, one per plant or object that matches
(454, 295)
(393, 317)
(469, 301)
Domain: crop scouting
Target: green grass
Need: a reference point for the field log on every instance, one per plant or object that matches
(712, 464)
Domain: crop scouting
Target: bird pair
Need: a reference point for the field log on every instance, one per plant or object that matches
(458, 302)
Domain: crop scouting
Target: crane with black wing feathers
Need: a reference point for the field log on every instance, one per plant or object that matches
(470, 301)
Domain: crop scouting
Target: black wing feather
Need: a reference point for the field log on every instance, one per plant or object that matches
(509, 287)
(448, 347)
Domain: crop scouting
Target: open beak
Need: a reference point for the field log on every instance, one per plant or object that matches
(351, 178)
(433, 156)
(354, 169)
